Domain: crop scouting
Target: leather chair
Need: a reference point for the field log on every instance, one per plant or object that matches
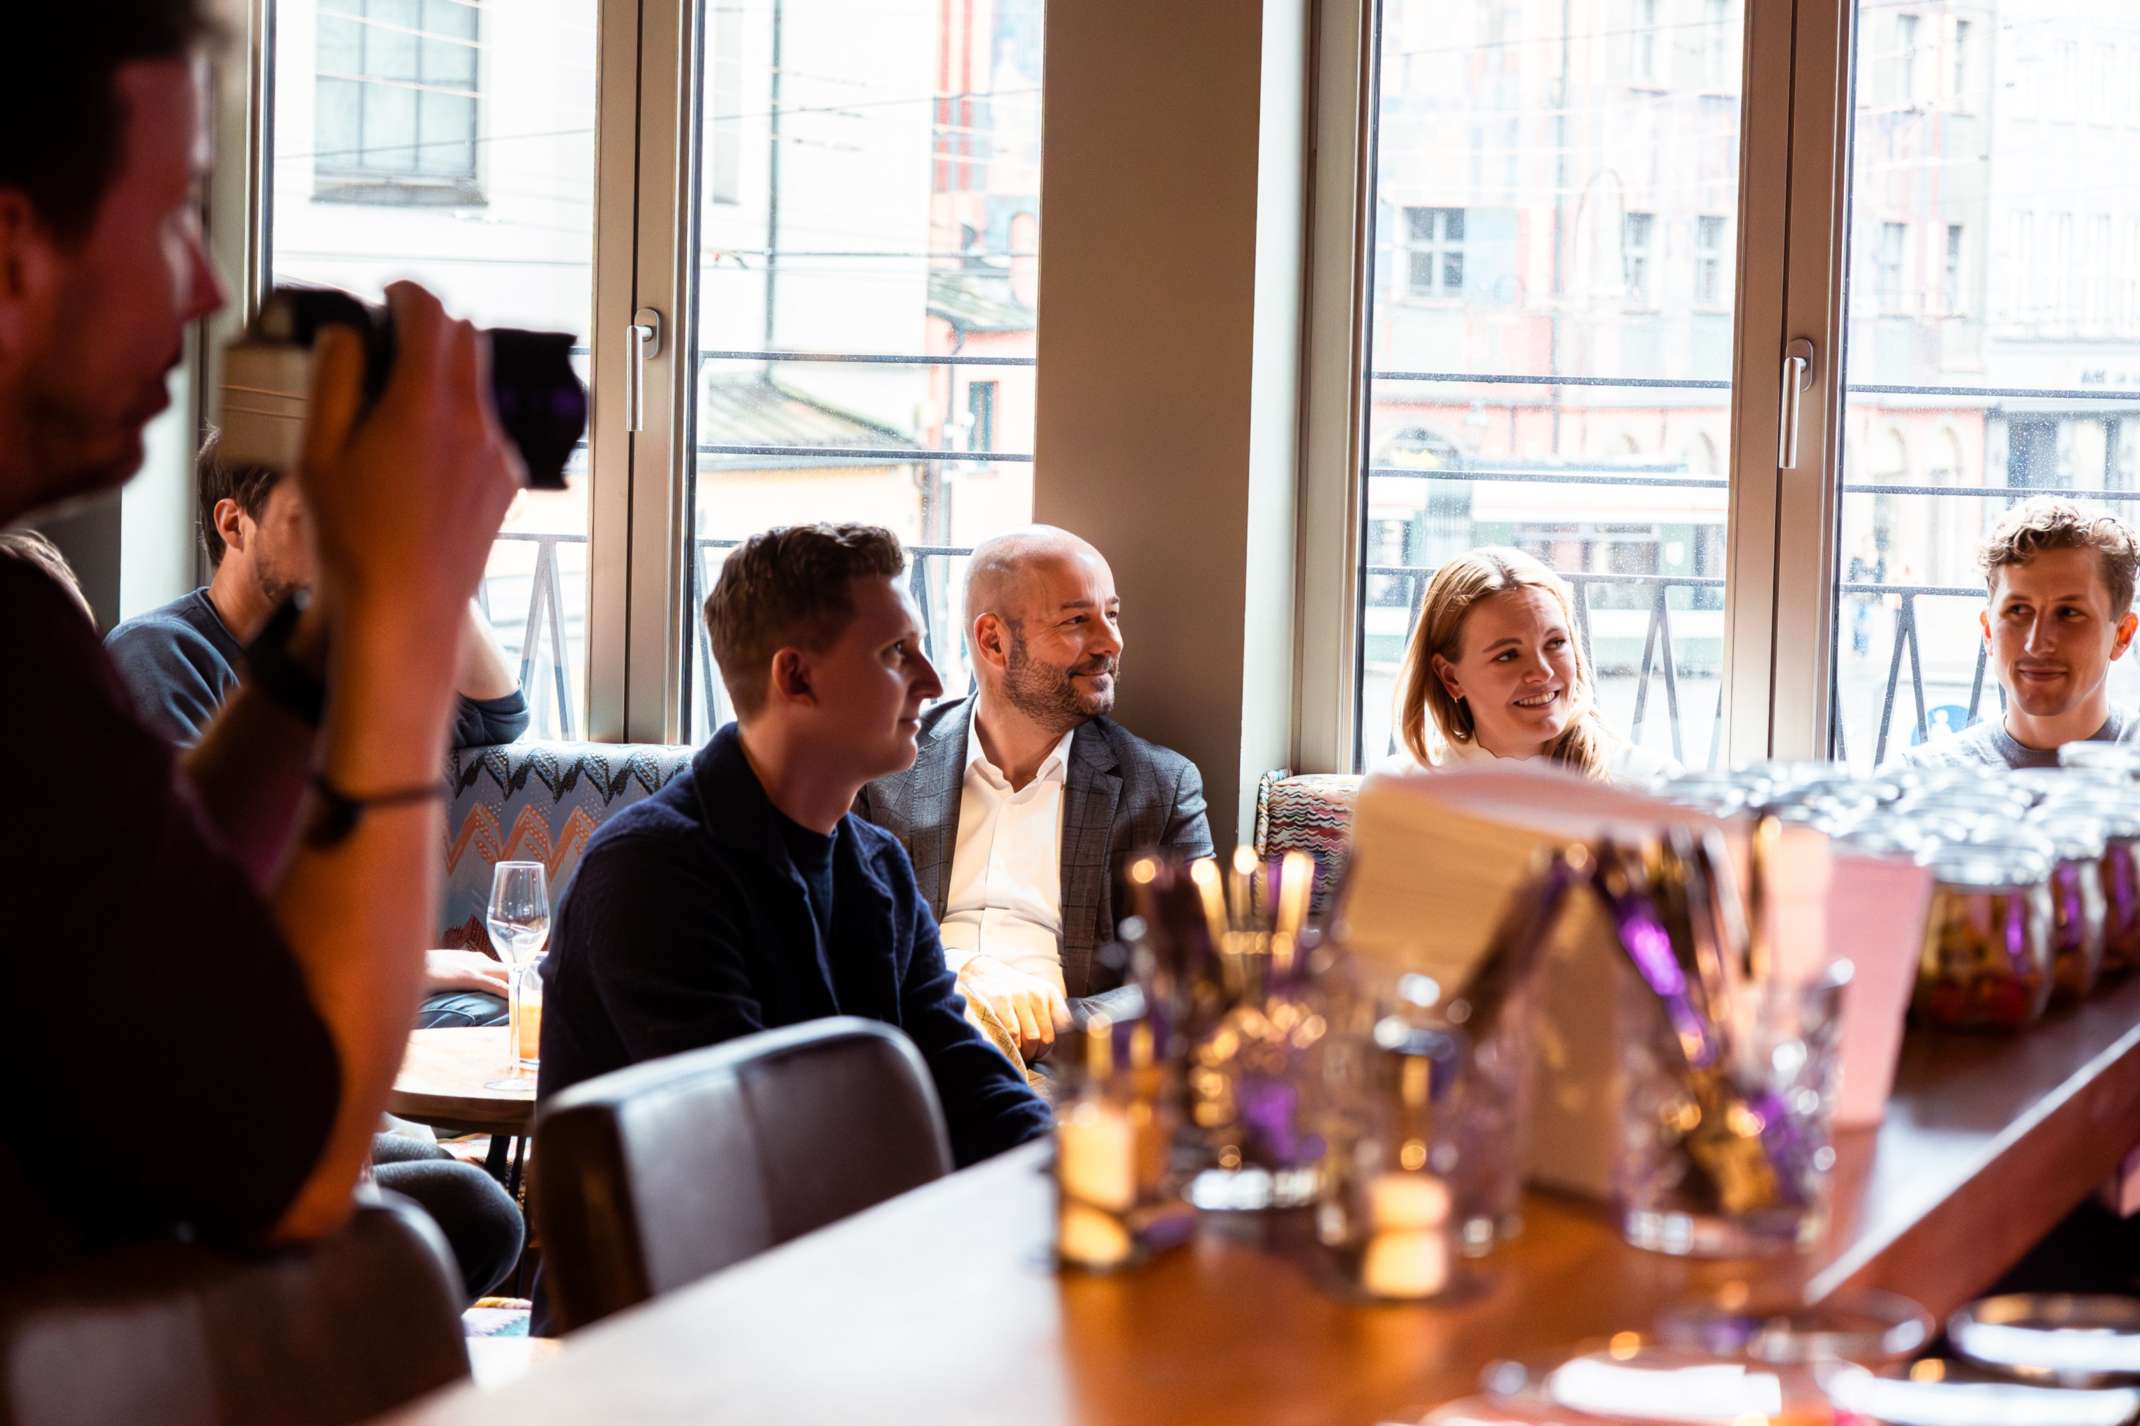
(654, 1176)
(334, 1332)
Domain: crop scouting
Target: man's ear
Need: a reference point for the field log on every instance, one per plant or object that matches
(791, 677)
(1446, 672)
(1984, 619)
(990, 642)
(230, 523)
(27, 273)
(2126, 626)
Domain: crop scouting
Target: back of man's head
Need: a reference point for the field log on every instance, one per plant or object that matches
(62, 114)
(216, 481)
(2049, 523)
(789, 588)
(39, 553)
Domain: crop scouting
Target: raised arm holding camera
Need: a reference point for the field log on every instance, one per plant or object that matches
(187, 893)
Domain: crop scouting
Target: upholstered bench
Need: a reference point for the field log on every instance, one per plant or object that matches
(538, 802)
(1308, 812)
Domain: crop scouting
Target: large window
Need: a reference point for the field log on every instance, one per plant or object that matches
(377, 139)
(867, 272)
(1577, 404)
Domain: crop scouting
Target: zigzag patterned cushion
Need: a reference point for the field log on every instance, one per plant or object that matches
(537, 802)
(1308, 812)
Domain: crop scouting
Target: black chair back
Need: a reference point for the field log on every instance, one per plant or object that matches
(327, 1334)
(654, 1176)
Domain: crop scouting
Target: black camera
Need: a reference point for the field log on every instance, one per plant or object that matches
(267, 377)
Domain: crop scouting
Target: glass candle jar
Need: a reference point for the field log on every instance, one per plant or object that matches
(1389, 1203)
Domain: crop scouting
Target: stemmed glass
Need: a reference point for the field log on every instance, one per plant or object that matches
(519, 922)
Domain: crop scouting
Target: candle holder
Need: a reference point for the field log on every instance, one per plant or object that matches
(1113, 1127)
(1228, 960)
(1389, 1207)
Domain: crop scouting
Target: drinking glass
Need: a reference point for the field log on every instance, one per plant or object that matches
(519, 921)
(1734, 1161)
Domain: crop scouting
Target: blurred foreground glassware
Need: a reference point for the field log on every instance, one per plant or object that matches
(1113, 1129)
(1865, 1326)
(2066, 1339)
(1732, 1158)
(1389, 1206)
(1634, 1379)
(1932, 1392)
(1230, 963)
(1986, 961)
(2120, 816)
(2078, 909)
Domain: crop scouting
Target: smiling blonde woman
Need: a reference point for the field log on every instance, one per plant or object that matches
(1496, 665)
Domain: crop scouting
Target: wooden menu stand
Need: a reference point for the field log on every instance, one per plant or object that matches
(943, 1306)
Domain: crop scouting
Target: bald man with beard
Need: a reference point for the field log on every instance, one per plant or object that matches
(1026, 799)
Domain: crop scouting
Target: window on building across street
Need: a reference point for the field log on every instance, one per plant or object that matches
(1709, 261)
(395, 108)
(1950, 292)
(1434, 241)
(1902, 62)
(1716, 39)
(1888, 274)
(1636, 231)
(1642, 42)
(1959, 73)
(724, 102)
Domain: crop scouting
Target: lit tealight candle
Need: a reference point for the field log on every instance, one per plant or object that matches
(1406, 1263)
(1096, 1156)
(1406, 1202)
(1091, 1237)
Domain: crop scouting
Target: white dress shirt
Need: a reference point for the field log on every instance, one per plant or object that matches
(1005, 897)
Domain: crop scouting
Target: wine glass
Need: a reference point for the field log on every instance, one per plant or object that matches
(519, 921)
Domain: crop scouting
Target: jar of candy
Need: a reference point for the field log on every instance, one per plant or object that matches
(2120, 816)
(2077, 905)
(1986, 958)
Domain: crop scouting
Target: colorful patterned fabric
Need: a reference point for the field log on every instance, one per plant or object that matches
(537, 802)
(1312, 813)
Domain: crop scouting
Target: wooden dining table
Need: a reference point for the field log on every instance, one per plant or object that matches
(455, 1079)
(945, 1306)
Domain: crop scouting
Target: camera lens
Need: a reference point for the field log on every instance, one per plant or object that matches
(541, 404)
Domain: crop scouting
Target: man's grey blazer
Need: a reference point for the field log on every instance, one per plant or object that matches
(1121, 795)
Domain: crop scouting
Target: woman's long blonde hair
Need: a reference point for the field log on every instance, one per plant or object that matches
(1457, 585)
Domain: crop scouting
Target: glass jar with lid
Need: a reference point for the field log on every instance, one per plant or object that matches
(1986, 958)
(2119, 815)
(2077, 904)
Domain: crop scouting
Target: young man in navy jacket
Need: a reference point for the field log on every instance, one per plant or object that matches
(744, 895)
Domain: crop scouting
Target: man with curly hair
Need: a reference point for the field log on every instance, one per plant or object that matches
(2058, 613)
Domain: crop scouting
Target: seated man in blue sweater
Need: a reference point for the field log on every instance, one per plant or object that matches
(182, 662)
(744, 895)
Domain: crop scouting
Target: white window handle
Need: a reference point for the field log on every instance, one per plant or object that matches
(1797, 377)
(642, 339)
